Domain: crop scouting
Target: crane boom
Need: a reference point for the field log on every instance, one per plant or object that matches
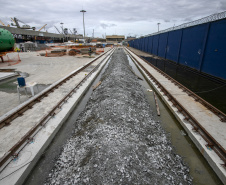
(2, 23)
(57, 29)
(15, 20)
(71, 31)
(42, 27)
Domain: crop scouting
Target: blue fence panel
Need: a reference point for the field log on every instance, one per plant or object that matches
(142, 47)
(214, 62)
(192, 45)
(173, 47)
(201, 47)
(162, 44)
(137, 44)
(149, 50)
(140, 44)
(155, 44)
(131, 43)
(143, 44)
(146, 44)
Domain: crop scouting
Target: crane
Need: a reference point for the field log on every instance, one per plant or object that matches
(3, 24)
(15, 20)
(42, 27)
(71, 31)
(25, 26)
(57, 30)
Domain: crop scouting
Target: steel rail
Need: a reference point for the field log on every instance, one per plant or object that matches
(197, 98)
(211, 142)
(6, 121)
(45, 118)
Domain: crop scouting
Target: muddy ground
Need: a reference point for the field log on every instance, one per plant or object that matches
(116, 140)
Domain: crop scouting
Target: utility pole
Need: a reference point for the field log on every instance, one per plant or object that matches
(62, 30)
(83, 11)
(158, 25)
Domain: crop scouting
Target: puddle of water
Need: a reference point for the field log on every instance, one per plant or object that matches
(210, 90)
(10, 86)
(200, 170)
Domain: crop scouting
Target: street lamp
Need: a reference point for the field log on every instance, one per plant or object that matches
(62, 30)
(158, 26)
(83, 11)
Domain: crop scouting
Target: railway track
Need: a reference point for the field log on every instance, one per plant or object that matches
(211, 142)
(13, 152)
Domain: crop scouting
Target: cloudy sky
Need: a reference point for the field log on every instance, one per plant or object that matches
(122, 17)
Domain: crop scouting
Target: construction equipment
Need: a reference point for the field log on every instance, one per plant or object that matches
(42, 27)
(7, 42)
(57, 30)
(65, 31)
(6, 39)
(71, 31)
(25, 26)
(4, 24)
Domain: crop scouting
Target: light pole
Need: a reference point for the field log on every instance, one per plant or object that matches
(62, 30)
(83, 11)
(158, 26)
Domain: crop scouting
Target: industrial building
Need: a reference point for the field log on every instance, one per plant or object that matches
(114, 38)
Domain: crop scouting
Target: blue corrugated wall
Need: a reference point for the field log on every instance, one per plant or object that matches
(174, 40)
(201, 47)
(150, 44)
(155, 44)
(192, 46)
(214, 60)
(162, 44)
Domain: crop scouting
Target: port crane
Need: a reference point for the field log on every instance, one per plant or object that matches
(42, 27)
(4, 24)
(58, 30)
(25, 26)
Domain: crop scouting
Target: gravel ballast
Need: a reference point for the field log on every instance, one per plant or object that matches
(116, 139)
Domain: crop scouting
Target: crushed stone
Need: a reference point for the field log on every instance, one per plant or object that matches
(116, 139)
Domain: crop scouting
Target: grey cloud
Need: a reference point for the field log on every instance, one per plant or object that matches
(222, 5)
(104, 26)
(103, 14)
(166, 20)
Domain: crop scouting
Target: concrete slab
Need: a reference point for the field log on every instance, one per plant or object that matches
(42, 70)
(6, 75)
(206, 118)
(19, 127)
(17, 170)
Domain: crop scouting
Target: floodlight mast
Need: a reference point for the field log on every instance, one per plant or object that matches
(83, 11)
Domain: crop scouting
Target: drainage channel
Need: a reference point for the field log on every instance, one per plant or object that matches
(40, 173)
(200, 171)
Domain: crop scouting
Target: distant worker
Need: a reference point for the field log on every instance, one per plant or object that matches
(90, 51)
